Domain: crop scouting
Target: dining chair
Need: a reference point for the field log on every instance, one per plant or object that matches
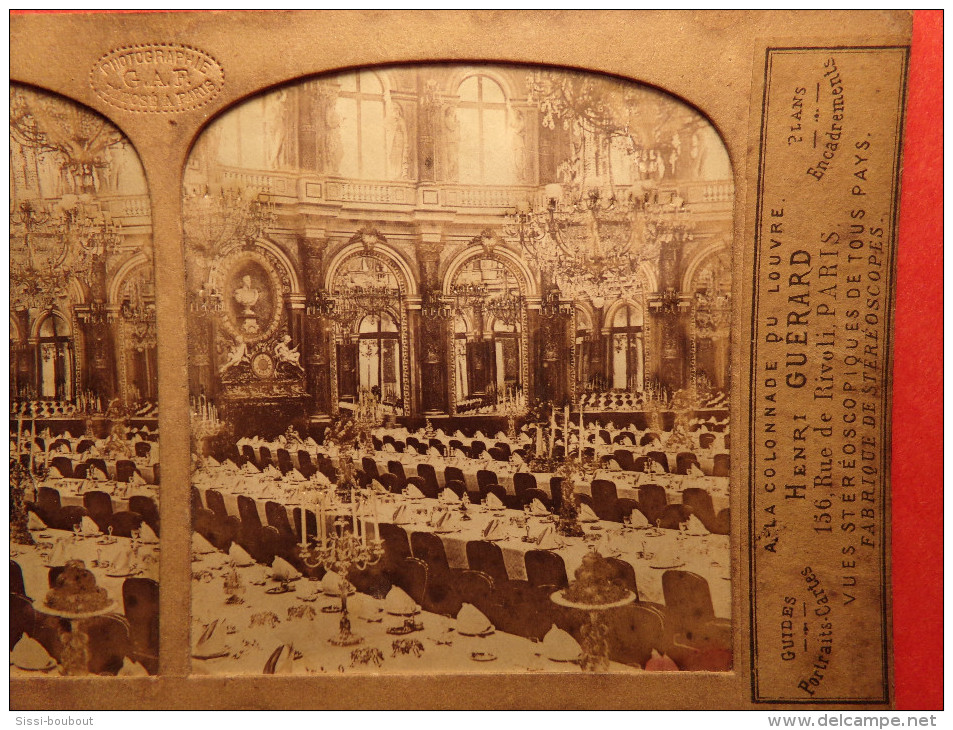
(706, 440)
(684, 461)
(305, 465)
(623, 575)
(485, 477)
(722, 524)
(396, 546)
(624, 507)
(498, 489)
(429, 475)
(125, 470)
(476, 588)
(545, 568)
(16, 579)
(264, 457)
(505, 448)
(633, 632)
(688, 602)
(67, 517)
(197, 499)
(397, 468)
(99, 505)
(605, 499)
(625, 459)
(652, 501)
(498, 454)
(721, 466)
(22, 618)
(146, 507)
(215, 501)
(124, 522)
(64, 465)
(369, 465)
(140, 600)
(477, 448)
(487, 557)
(455, 473)
(530, 494)
(109, 643)
(276, 515)
(699, 500)
(285, 463)
(248, 452)
(456, 486)
(392, 483)
(84, 445)
(660, 457)
(143, 449)
(47, 503)
(674, 516)
(522, 481)
(648, 438)
(412, 577)
(522, 609)
(555, 489)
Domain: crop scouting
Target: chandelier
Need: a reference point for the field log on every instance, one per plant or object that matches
(51, 243)
(348, 304)
(215, 218)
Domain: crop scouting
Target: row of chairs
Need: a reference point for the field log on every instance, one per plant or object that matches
(684, 627)
(684, 461)
(125, 468)
(99, 507)
(111, 637)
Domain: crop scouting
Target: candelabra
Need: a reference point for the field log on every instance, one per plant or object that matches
(367, 416)
(338, 552)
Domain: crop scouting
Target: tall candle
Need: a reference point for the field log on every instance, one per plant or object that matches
(566, 431)
(581, 429)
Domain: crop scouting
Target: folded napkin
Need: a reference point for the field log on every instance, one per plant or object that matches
(694, 526)
(472, 622)
(295, 476)
(237, 555)
(61, 552)
(99, 475)
(54, 473)
(547, 539)
(123, 562)
(413, 492)
(398, 602)
(389, 448)
(281, 660)
(131, 668)
(88, 527)
(243, 441)
(443, 521)
(230, 465)
(500, 436)
(137, 479)
(432, 451)
(638, 519)
(377, 486)
(448, 495)
(146, 534)
(538, 508)
(333, 584)
(694, 470)
(363, 606)
(485, 456)
(586, 514)
(613, 465)
(211, 639)
(560, 646)
(201, 546)
(310, 442)
(400, 515)
(517, 459)
(281, 569)
(493, 502)
(271, 471)
(28, 653)
(493, 530)
(459, 453)
(250, 468)
(33, 522)
(479, 436)
(458, 434)
(321, 478)
(660, 663)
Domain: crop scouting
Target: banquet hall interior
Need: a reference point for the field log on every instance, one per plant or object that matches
(459, 376)
(84, 436)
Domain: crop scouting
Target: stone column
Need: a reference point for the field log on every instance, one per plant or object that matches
(315, 326)
(433, 351)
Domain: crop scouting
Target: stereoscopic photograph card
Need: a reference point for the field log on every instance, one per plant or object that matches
(528, 359)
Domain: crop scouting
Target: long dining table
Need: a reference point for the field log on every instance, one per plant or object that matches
(650, 551)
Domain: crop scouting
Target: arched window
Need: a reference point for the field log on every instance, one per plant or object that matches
(583, 346)
(627, 351)
(485, 146)
(379, 355)
(55, 357)
(360, 112)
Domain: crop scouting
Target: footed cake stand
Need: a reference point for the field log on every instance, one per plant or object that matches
(595, 635)
(75, 659)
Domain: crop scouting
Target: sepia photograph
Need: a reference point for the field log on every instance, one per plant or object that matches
(84, 434)
(459, 376)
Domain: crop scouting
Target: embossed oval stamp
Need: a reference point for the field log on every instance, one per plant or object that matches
(157, 77)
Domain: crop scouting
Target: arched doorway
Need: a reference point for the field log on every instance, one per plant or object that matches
(489, 338)
(626, 348)
(55, 358)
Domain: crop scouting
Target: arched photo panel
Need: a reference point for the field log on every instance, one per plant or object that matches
(418, 294)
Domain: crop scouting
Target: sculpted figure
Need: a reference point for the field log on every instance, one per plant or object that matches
(236, 355)
(285, 353)
(247, 296)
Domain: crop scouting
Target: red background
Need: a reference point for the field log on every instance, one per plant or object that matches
(917, 479)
